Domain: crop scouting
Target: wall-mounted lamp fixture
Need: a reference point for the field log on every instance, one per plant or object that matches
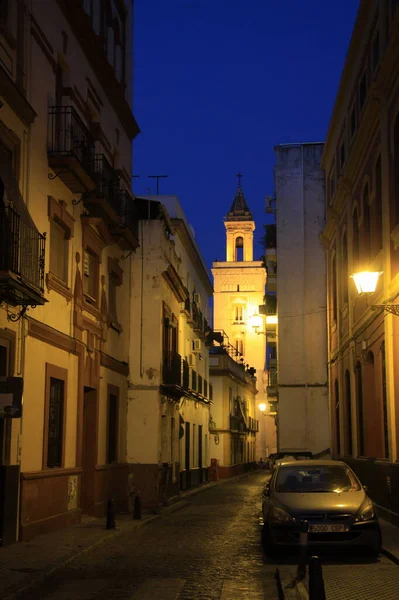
(262, 407)
(366, 284)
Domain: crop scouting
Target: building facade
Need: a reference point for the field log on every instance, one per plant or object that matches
(361, 162)
(303, 416)
(68, 231)
(239, 284)
(233, 426)
(169, 388)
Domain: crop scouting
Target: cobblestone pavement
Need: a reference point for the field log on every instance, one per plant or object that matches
(208, 550)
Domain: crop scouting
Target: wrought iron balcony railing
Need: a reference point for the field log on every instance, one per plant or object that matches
(70, 149)
(127, 209)
(107, 183)
(22, 250)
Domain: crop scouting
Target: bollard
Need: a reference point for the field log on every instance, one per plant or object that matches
(111, 514)
(316, 581)
(303, 550)
(137, 507)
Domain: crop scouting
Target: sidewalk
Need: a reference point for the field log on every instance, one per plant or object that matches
(25, 564)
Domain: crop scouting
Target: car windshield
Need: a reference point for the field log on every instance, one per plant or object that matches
(323, 478)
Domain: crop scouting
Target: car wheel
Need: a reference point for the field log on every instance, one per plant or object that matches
(375, 549)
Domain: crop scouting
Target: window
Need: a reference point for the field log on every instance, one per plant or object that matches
(194, 446)
(359, 406)
(55, 423)
(342, 155)
(7, 345)
(345, 274)
(332, 181)
(239, 254)
(334, 288)
(355, 244)
(90, 275)
(362, 90)
(59, 251)
(115, 279)
(231, 407)
(377, 238)
(239, 347)
(112, 424)
(367, 223)
(239, 312)
(348, 407)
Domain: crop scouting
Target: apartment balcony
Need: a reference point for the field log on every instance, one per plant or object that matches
(272, 383)
(22, 250)
(106, 200)
(273, 407)
(127, 230)
(237, 424)
(70, 149)
(175, 376)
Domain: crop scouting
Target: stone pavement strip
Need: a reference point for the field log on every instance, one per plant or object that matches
(26, 564)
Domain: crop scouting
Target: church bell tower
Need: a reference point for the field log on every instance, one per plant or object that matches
(239, 291)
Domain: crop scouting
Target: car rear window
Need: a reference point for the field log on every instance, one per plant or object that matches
(316, 479)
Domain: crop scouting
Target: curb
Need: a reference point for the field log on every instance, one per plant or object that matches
(177, 502)
(390, 555)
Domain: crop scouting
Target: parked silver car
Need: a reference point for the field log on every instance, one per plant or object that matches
(329, 496)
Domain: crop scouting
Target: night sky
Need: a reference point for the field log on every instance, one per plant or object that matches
(219, 83)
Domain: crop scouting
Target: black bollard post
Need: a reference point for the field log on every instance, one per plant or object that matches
(137, 507)
(111, 514)
(303, 550)
(316, 581)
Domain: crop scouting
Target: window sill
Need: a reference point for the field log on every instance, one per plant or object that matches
(115, 326)
(91, 305)
(59, 286)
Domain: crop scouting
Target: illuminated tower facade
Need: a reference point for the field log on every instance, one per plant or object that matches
(239, 290)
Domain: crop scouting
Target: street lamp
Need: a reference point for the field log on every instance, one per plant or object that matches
(262, 407)
(256, 322)
(366, 284)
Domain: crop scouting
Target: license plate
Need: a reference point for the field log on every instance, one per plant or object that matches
(320, 528)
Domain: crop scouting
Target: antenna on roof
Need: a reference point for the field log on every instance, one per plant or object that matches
(239, 175)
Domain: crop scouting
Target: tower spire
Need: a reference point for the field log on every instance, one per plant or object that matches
(239, 175)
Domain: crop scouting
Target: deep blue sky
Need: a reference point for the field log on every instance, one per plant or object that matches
(219, 83)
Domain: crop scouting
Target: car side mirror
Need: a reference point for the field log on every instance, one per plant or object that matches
(366, 488)
(266, 491)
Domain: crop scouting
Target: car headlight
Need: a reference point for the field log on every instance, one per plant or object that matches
(278, 514)
(366, 512)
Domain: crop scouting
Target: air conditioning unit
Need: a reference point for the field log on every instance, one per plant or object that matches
(197, 345)
(196, 298)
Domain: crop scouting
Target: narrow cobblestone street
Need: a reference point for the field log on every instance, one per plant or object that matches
(208, 550)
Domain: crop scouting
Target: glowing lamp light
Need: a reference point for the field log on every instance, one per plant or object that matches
(366, 281)
(256, 321)
(271, 320)
(262, 407)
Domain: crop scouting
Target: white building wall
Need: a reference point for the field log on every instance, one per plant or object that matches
(301, 299)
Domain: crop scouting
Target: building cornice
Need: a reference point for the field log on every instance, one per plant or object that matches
(181, 229)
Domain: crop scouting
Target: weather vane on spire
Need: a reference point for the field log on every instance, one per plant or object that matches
(239, 175)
